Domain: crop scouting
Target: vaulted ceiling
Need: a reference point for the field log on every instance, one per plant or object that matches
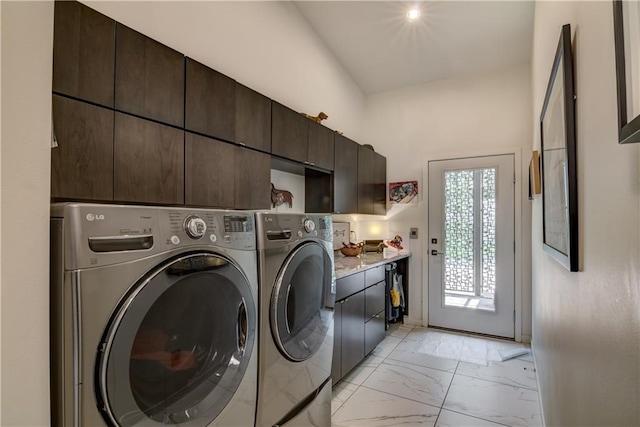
(382, 50)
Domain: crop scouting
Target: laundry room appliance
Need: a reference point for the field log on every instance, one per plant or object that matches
(153, 316)
(297, 295)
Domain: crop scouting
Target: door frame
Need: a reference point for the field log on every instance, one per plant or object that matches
(518, 191)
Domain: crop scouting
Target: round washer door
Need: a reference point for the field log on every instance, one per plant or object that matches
(178, 346)
(300, 318)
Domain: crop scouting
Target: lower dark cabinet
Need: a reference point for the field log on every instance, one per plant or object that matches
(336, 363)
(148, 162)
(374, 330)
(352, 332)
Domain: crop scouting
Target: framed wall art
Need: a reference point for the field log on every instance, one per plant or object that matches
(534, 175)
(626, 26)
(559, 160)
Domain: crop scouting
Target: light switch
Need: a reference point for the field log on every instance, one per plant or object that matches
(413, 233)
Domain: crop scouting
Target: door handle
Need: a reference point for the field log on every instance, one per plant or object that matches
(242, 328)
(434, 252)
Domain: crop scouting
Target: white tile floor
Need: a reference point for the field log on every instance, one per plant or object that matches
(428, 377)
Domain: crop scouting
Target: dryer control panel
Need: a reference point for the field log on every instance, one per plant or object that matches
(107, 234)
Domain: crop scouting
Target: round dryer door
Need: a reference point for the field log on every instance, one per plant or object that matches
(179, 344)
(300, 318)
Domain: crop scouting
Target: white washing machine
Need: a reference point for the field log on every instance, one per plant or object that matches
(153, 316)
(297, 295)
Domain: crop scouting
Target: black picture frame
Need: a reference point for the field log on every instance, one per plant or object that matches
(559, 160)
(628, 127)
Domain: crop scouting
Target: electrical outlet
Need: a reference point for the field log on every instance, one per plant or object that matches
(413, 233)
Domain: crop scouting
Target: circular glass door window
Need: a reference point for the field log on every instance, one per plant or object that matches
(300, 318)
(179, 345)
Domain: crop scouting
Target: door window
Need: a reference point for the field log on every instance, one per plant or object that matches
(300, 318)
(179, 345)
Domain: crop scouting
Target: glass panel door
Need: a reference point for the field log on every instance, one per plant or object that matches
(471, 251)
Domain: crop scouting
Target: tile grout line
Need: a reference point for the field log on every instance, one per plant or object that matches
(497, 382)
(447, 393)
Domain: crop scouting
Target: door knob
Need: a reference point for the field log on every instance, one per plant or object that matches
(435, 252)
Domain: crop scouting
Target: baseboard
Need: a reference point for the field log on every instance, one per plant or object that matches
(412, 321)
(535, 365)
(526, 339)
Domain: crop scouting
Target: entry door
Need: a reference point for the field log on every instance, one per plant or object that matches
(472, 244)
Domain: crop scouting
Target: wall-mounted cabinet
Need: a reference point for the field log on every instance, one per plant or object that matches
(253, 119)
(82, 162)
(372, 182)
(345, 176)
(210, 102)
(215, 175)
(320, 150)
(379, 184)
(134, 150)
(295, 137)
(289, 133)
(148, 161)
(83, 53)
(149, 78)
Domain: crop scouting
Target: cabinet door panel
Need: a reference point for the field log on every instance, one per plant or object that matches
(253, 179)
(210, 102)
(149, 161)
(253, 119)
(345, 176)
(349, 285)
(374, 300)
(289, 133)
(380, 184)
(336, 363)
(374, 332)
(321, 146)
(365, 180)
(83, 53)
(352, 331)
(209, 175)
(149, 78)
(82, 163)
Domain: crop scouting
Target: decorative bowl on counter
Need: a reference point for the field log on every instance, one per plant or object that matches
(351, 251)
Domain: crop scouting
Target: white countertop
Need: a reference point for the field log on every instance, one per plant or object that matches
(347, 265)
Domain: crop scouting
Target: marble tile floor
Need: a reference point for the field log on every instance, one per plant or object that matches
(428, 377)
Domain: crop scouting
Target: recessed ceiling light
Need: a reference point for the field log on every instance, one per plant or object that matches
(413, 14)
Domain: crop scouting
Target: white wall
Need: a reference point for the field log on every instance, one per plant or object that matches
(586, 325)
(267, 46)
(458, 117)
(27, 34)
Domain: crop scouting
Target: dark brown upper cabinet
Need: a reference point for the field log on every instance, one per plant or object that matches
(366, 182)
(345, 176)
(295, 137)
(252, 190)
(380, 184)
(209, 173)
(216, 175)
(83, 53)
(321, 146)
(149, 161)
(289, 133)
(253, 119)
(149, 78)
(210, 102)
(82, 163)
